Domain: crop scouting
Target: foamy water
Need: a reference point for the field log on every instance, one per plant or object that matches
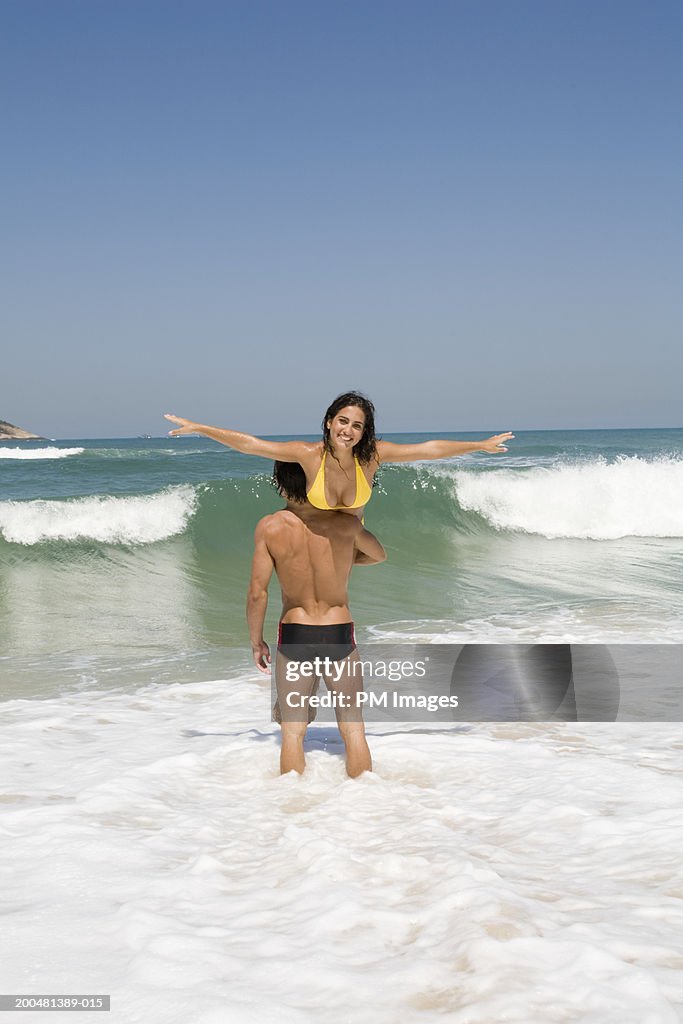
(520, 872)
(133, 520)
(615, 622)
(39, 453)
(631, 497)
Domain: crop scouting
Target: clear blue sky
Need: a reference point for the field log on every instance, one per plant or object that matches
(235, 210)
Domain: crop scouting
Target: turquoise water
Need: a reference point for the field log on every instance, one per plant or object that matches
(126, 560)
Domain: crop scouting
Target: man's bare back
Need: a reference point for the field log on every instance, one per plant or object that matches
(313, 555)
(312, 552)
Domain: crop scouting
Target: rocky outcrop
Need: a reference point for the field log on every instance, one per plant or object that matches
(8, 432)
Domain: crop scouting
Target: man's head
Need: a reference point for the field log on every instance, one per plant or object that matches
(290, 480)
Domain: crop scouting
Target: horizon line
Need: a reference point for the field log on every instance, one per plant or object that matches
(427, 433)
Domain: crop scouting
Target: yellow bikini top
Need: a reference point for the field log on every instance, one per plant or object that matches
(316, 495)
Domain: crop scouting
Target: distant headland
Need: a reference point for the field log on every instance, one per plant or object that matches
(8, 432)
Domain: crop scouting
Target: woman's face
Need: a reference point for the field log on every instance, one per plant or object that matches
(346, 429)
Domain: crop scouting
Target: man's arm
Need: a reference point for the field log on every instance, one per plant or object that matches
(368, 551)
(257, 597)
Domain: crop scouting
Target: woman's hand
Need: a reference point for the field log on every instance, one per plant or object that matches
(185, 426)
(495, 444)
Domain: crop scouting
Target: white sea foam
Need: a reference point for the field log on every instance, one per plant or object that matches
(133, 520)
(598, 622)
(523, 872)
(39, 453)
(631, 497)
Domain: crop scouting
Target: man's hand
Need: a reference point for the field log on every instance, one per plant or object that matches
(186, 426)
(495, 445)
(261, 653)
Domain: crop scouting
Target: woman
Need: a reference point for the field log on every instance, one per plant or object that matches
(340, 469)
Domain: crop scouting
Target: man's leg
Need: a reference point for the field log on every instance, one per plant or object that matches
(350, 717)
(292, 710)
(358, 759)
(292, 750)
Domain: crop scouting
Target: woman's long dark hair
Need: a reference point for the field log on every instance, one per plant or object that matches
(290, 479)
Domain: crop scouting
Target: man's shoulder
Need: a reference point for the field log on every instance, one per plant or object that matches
(276, 523)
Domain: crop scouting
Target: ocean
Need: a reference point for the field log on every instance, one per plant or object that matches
(126, 561)
(481, 873)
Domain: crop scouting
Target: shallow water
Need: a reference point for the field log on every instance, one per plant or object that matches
(482, 873)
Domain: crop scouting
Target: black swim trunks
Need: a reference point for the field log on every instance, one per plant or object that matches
(300, 642)
(323, 647)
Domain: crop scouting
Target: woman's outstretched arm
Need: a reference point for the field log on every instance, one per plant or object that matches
(283, 451)
(388, 451)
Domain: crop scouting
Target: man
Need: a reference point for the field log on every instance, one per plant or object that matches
(312, 553)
